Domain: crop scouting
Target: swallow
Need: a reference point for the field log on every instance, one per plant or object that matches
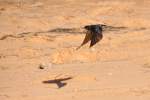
(93, 34)
(58, 82)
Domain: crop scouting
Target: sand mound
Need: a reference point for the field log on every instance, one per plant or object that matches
(73, 55)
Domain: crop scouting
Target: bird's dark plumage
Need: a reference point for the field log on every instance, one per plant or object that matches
(93, 34)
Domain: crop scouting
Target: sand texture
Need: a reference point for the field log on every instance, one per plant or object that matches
(38, 41)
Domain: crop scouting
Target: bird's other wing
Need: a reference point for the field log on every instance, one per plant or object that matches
(96, 37)
(87, 38)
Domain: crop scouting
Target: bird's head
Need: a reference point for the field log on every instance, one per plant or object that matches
(95, 28)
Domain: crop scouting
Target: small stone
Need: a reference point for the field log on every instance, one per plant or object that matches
(41, 67)
(45, 65)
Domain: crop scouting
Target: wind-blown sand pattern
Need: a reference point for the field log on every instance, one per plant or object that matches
(33, 51)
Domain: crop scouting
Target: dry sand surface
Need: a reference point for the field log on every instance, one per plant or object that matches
(117, 68)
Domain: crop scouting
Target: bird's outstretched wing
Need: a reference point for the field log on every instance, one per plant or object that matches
(96, 37)
(87, 38)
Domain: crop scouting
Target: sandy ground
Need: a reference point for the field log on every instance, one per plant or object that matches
(117, 68)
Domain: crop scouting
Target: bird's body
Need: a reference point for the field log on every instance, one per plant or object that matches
(93, 34)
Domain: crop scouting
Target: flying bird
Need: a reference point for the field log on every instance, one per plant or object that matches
(93, 34)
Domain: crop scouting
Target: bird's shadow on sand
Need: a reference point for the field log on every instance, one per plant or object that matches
(59, 82)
